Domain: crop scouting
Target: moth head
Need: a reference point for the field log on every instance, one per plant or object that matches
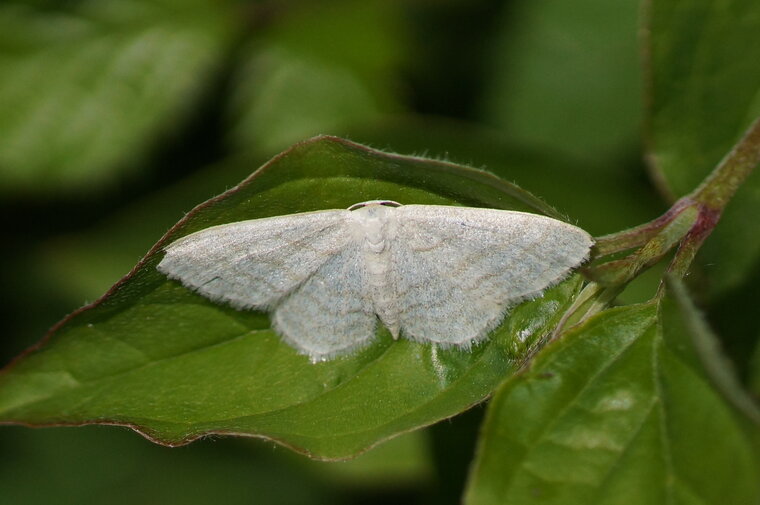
(385, 203)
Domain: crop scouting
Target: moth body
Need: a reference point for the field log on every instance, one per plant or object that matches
(376, 231)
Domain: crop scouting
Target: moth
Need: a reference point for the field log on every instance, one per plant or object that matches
(430, 273)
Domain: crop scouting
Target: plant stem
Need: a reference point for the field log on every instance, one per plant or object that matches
(689, 221)
(718, 188)
(633, 237)
(715, 192)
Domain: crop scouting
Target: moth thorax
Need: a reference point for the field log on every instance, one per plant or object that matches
(378, 225)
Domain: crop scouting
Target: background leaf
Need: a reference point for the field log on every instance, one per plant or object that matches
(616, 412)
(173, 365)
(703, 88)
(97, 83)
(565, 76)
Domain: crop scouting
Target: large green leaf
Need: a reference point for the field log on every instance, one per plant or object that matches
(621, 411)
(704, 89)
(154, 356)
(88, 88)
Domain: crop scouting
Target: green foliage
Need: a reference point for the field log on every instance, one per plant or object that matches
(150, 338)
(119, 116)
(97, 84)
(616, 412)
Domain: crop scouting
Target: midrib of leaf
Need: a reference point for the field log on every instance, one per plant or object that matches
(672, 477)
(664, 443)
(605, 480)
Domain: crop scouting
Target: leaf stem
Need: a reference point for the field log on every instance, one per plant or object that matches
(587, 295)
(715, 192)
(621, 271)
(639, 235)
(689, 221)
(718, 188)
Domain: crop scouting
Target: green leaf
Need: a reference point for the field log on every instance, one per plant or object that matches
(98, 83)
(156, 357)
(566, 76)
(707, 349)
(622, 411)
(704, 90)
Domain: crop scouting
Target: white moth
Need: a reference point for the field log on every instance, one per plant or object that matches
(430, 273)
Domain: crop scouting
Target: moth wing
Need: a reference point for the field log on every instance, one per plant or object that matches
(256, 263)
(457, 270)
(332, 312)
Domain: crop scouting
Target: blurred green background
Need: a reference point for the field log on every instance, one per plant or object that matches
(118, 116)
